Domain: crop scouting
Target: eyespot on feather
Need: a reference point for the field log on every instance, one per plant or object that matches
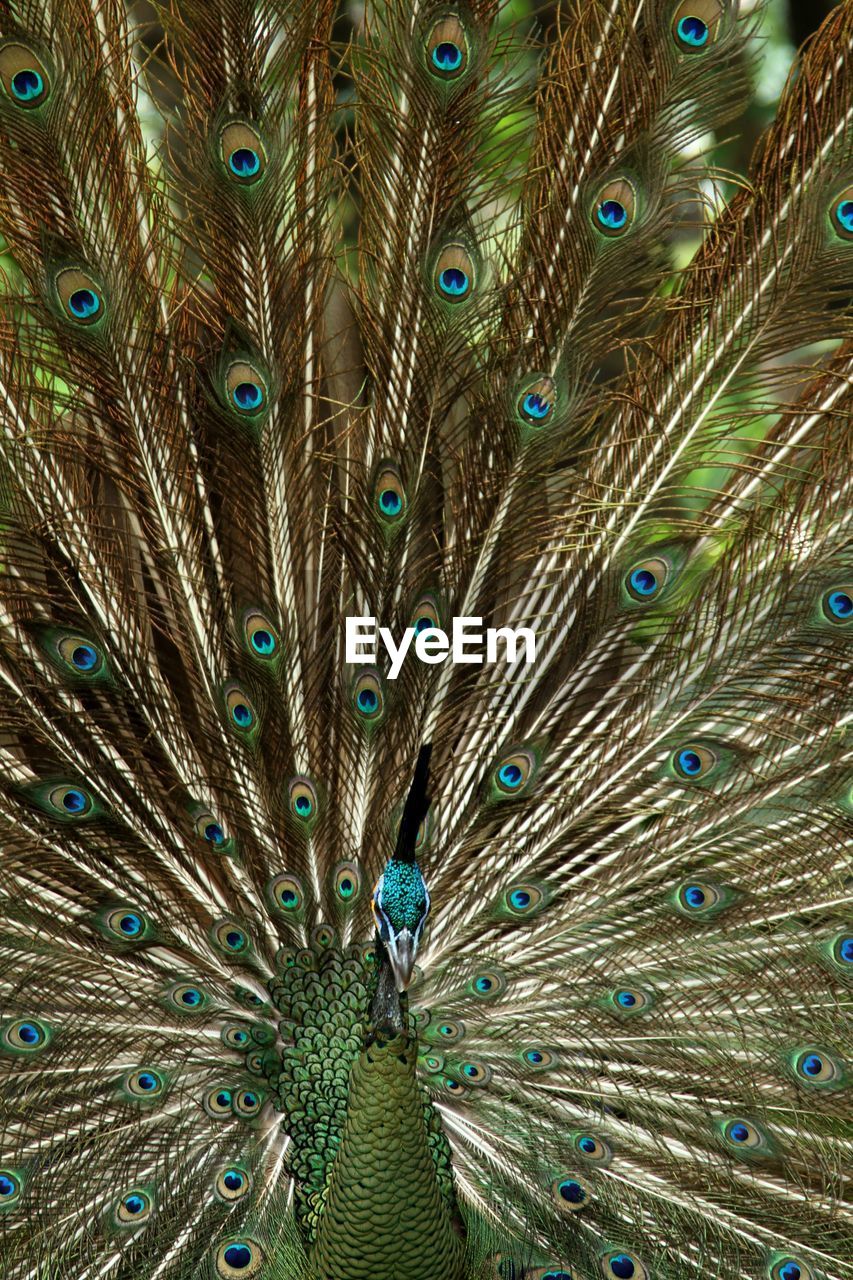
(487, 984)
(286, 894)
(233, 1183)
(11, 1188)
(133, 1209)
(368, 698)
(241, 712)
(628, 1001)
(646, 579)
(619, 1264)
(246, 389)
(788, 1268)
(514, 773)
(187, 997)
(80, 656)
(696, 24)
(238, 1259)
(243, 153)
(593, 1149)
(302, 799)
(144, 1085)
(537, 401)
(837, 603)
(614, 208)
(70, 801)
(24, 75)
(745, 1138)
(247, 1103)
(24, 1036)
(389, 494)
(229, 937)
(569, 1193)
(692, 761)
(447, 53)
(454, 274)
(80, 296)
(218, 1103)
(347, 883)
(261, 636)
(816, 1067)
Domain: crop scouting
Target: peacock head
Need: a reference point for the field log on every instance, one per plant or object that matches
(400, 908)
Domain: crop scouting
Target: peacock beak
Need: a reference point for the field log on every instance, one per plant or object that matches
(401, 953)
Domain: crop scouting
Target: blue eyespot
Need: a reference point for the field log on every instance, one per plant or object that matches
(454, 282)
(233, 1180)
(844, 950)
(242, 715)
(622, 1266)
(739, 1133)
(390, 502)
(84, 303)
(134, 1204)
(627, 999)
(572, 1191)
(192, 998)
(238, 1256)
(844, 214)
(646, 579)
(612, 215)
(484, 985)
(234, 939)
(147, 1081)
(244, 162)
(520, 899)
(447, 56)
(214, 833)
(788, 1269)
(838, 604)
(30, 1034)
(84, 657)
(8, 1186)
(130, 925)
(262, 642)
(27, 84)
(693, 761)
(248, 396)
(223, 1098)
(693, 31)
(556, 1275)
(368, 701)
(587, 1145)
(534, 1057)
(74, 801)
(511, 776)
(535, 407)
(524, 899)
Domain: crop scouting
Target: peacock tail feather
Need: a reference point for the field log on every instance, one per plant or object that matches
(323, 964)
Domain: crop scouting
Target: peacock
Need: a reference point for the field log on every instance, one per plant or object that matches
(426, 604)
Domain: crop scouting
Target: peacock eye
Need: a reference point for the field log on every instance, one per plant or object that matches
(230, 937)
(210, 829)
(133, 1209)
(476, 1073)
(592, 1148)
(552, 1273)
(367, 696)
(70, 802)
(347, 882)
(695, 24)
(695, 897)
(323, 937)
(80, 655)
(286, 893)
(453, 1087)
(144, 1083)
(536, 402)
(25, 1035)
(126, 924)
(540, 1059)
(81, 298)
(842, 215)
(842, 949)
(425, 616)
(10, 1188)
(218, 1103)
(454, 274)
(24, 75)
(791, 1269)
(614, 208)
(447, 49)
(630, 1000)
(232, 1184)
(239, 1259)
(303, 798)
(523, 899)
(246, 388)
(240, 710)
(390, 495)
(744, 1135)
(262, 638)
(838, 603)
(246, 1103)
(236, 1037)
(487, 984)
(434, 1062)
(187, 998)
(623, 1265)
(815, 1066)
(646, 579)
(450, 1032)
(570, 1194)
(243, 153)
(514, 772)
(692, 762)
